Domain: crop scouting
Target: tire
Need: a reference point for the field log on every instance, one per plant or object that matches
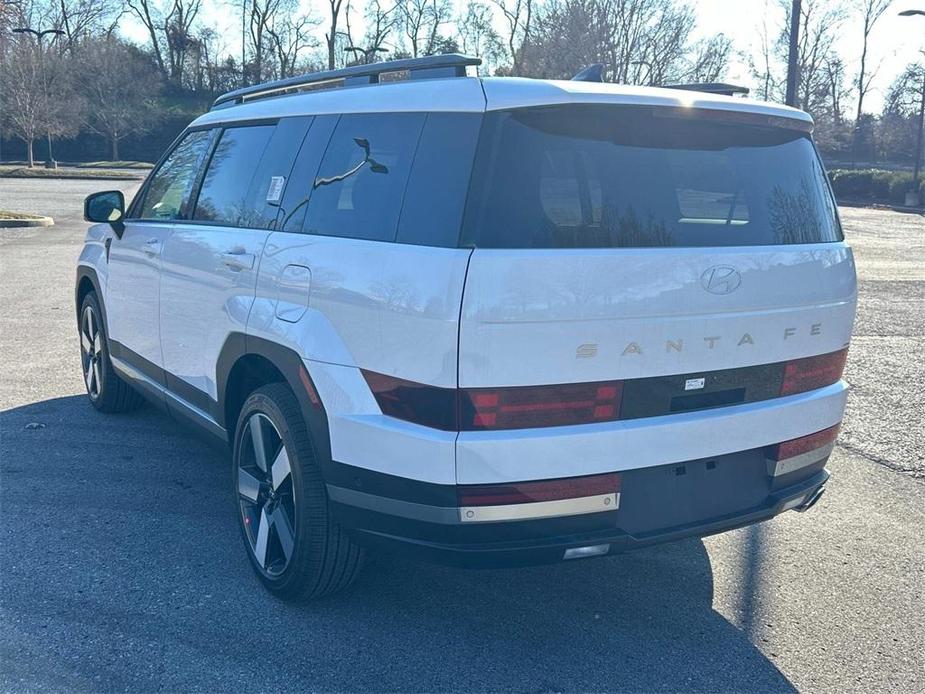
(105, 388)
(294, 546)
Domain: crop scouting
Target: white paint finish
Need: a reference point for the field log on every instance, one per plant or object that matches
(562, 316)
(386, 307)
(518, 92)
(203, 298)
(362, 436)
(133, 288)
(292, 291)
(459, 94)
(535, 454)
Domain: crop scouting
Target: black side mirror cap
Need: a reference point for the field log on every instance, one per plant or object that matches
(107, 207)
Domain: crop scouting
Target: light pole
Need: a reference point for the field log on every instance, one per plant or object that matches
(39, 35)
(918, 140)
(367, 52)
(793, 67)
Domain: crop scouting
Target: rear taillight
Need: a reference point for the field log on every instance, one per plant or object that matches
(804, 444)
(414, 402)
(801, 375)
(539, 406)
(478, 409)
(532, 492)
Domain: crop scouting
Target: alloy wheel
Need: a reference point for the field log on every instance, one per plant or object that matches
(91, 350)
(266, 494)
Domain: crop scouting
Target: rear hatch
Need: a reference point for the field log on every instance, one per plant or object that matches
(654, 246)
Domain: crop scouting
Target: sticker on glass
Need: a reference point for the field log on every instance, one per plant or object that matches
(275, 191)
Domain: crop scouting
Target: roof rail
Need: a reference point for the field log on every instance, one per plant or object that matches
(711, 88)
(429, 67)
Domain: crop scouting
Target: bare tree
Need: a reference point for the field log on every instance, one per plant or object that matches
(116, 82)
(478, 35)
(519, 17)
(871, 10)
(820, 21)
(36, 93)
(80, 19)
(331, 36)
(170, 25)
(381, 20)
(708, 59)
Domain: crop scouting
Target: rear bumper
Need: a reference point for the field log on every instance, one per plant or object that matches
(659, 505)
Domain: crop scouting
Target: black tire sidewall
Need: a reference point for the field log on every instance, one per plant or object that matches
(106, 372)
(276, 402)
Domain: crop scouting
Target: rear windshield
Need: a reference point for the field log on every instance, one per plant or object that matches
(607, 177)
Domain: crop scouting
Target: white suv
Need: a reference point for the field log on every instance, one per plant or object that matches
(485, 321)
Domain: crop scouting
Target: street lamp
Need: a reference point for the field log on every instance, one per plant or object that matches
(39, 35)
(367, 52)
(918, 140)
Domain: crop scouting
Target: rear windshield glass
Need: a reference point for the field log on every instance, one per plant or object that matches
(605, 177)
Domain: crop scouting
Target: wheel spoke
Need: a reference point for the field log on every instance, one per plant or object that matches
(283, 531)
(89, 377)
(90, 327)
(96, 373)
(260, 451)
(263, 534)
(86, 343)
(98, 343)
(280, 468)
(248, 485)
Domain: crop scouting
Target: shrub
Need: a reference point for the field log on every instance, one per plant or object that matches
(872, 184)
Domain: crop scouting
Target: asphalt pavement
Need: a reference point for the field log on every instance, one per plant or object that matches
(121, 567)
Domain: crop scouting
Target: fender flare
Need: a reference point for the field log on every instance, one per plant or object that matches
(290, 364)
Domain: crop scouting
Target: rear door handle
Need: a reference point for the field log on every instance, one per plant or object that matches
(151, 247)
(237, 260)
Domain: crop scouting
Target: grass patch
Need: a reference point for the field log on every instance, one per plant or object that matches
(64, 172)
(6, 214)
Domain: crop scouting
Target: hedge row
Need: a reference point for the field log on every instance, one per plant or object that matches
(872, 184)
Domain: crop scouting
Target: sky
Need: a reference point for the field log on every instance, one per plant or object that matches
(894, 42)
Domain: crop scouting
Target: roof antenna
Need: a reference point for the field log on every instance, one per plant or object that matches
(592, 73)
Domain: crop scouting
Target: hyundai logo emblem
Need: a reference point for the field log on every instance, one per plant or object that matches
(720, 279)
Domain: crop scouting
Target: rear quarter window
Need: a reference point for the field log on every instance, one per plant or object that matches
(358, 190)
(608, 177)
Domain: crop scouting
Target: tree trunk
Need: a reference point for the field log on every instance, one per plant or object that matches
(115, 148)
(29, 153)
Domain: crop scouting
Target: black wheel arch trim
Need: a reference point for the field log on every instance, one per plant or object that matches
(290, 364)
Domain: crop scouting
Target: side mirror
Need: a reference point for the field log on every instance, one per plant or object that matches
(107, 207)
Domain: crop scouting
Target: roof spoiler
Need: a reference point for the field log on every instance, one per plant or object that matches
(429, 67)
(595, 73)
(711, 88)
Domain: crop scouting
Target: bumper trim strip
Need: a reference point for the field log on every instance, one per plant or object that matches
(776, 468)
(540, 509)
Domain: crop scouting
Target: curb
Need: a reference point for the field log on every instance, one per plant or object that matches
(77, 178)
(32, 222)
(880, 206)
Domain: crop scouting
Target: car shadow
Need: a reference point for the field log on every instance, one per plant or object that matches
(136, 555)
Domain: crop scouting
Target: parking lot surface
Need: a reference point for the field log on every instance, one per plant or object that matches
(121, 567)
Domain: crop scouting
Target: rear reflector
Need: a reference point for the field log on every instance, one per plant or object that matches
(589, 551)
(545, 490)
(804, 444)
(801, 375)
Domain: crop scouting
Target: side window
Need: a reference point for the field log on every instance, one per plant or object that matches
(168, 193)
(431, 214)
(265, 194)
(229, 175)
(302, 179)
(359, 188)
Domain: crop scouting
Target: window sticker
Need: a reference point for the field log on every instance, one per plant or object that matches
(275, 191)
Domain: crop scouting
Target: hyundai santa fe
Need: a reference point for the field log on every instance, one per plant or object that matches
(483, 321)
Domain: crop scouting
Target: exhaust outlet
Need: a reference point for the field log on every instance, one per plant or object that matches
(811, 501)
